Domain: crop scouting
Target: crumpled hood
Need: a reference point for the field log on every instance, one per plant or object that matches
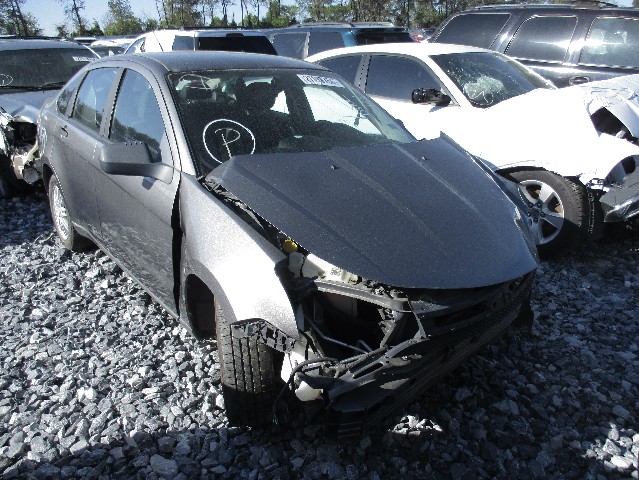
(548, 128)
(25, 104)
(419, 215)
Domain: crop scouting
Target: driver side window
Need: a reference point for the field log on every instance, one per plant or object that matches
(89, 105)
(396, 77)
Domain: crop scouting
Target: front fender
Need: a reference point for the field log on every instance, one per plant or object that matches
(237, 264)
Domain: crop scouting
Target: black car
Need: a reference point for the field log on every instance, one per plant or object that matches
(31, 70)
(567, 44)
(306, 39)
(265, 202)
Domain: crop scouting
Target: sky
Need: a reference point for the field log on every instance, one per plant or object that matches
(50, 13)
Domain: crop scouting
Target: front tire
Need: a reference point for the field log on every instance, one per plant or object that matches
(557, 210)
(62, 222)
(248, 374)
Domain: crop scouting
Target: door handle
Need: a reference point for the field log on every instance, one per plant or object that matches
(578, 80)
(64, 131)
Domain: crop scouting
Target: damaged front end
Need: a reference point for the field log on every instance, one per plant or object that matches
(18, 152)
(366, 349)
(619, 191)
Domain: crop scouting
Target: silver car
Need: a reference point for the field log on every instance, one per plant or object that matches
(265, 202)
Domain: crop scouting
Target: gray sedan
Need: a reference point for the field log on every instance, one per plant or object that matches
(265, 202)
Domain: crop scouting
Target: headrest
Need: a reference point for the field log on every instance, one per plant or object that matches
(258, 96)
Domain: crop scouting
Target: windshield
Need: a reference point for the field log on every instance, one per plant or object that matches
(487, 78)
(41, 68)
(240, 112)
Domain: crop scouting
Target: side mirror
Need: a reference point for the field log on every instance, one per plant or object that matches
(133, 159)
(430, 96)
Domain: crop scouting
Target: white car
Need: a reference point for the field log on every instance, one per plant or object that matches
(566, 148)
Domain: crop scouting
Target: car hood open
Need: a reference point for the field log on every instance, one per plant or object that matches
(419, 215)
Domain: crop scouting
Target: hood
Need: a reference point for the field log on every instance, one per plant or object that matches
(25, 104)
(551, 129)
(420, 215)
(620, 95)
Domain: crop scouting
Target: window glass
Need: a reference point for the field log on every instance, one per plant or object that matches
(370, 37)
(137, 116)
(91, 99)
(487, 78)
(321, 41)
(182, 42)
(239, 43)
(290, 44)
(228, 113)
(41, 68)
(346, 66)
(137, 46)
(477, 29)
(397, 77)
(612, 42)
(65, 95)
(543, 38)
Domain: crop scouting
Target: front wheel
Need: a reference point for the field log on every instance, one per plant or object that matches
(557, 209)
(248, 374)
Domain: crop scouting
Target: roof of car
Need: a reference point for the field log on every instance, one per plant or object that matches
(183, 61)
(413, 49)
(36, 43)
(341, 26)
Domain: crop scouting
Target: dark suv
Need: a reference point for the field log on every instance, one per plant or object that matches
(305, 39)
(568, 44)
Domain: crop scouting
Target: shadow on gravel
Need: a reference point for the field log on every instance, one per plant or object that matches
(24, 218)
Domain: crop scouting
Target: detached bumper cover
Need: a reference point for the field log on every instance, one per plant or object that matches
(621, 202)
(363, 390)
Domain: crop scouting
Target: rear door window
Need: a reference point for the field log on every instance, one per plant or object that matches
(237, 43)
(477, 30)
(543, 38)
(346, 66)
(91, 99)
(321, 41)
(612, 42)
(396, 77)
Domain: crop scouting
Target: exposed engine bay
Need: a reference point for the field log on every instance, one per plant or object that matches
(18, 152)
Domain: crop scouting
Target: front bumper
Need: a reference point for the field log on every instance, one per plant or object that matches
(621, 201)
(360, 392)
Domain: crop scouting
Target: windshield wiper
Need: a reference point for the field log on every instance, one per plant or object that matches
(46, 86)
(53, 85)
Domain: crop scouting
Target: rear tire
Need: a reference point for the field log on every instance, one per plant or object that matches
(247, 371)
(62, 222)
(557, 210)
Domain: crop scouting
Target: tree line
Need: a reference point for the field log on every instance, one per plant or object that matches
(120, 19)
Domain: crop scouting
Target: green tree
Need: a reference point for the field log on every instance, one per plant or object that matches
(72, 9)
(121, 19)
(14, 22)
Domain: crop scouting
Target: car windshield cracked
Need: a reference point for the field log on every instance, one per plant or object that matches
(336, 261)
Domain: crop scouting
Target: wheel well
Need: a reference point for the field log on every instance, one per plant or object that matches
(47, 173)
(200, 307)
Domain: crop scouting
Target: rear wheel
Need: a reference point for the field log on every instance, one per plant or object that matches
(556, 207)
(67, 233)
(248, 374)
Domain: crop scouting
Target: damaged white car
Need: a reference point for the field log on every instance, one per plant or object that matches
(265, 202)
(31, 70)
(566, 148)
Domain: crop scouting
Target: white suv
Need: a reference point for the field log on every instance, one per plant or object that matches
(184, 39)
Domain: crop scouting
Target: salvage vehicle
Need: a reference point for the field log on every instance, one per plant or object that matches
(569, 149)
(265, 202)
(31, 70)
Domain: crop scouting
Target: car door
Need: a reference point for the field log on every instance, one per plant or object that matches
(136, 213)
(391, 80)
(76, 140)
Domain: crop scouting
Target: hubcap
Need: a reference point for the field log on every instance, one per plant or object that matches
(545, 210)
(60, 213)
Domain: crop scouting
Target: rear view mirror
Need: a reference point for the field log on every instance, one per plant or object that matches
(430, 96)
(133, 159)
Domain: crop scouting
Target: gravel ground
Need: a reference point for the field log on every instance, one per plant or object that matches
(97, 381)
